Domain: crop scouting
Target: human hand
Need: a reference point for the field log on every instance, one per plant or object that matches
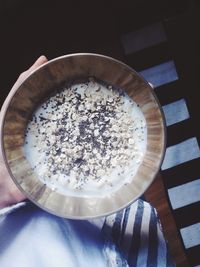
(9, 193)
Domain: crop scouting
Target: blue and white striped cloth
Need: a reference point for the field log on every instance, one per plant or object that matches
(132, 237)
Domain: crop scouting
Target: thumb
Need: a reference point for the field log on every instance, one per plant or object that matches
(41, 60)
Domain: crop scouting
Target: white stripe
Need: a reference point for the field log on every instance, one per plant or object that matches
(161, 74)
(143, 38)
(129, 229)
(176, 112)
(191, 235)
(143, 251)
(185, 194)
(180, 153)
(110, 221)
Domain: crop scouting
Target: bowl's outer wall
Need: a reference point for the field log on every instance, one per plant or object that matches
(38, 86)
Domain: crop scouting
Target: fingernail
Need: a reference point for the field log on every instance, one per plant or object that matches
(43, 58)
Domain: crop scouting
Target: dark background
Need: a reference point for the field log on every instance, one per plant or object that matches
(29, 29)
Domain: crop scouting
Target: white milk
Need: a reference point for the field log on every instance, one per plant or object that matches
(86, 140)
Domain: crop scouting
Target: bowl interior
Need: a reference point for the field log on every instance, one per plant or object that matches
(39, 85)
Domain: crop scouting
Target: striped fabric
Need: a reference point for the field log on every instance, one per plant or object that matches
(138, 237)
(129, 238)
(180, 168)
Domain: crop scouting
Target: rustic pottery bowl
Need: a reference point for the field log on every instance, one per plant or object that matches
(41, 83)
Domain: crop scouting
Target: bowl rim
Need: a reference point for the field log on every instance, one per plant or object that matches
(6, 105)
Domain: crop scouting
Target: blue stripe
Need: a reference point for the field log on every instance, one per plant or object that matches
(161, 74)
(112, 236)
(153, 241)
(124, 224)
(106, 229)
(143, 38)
(117, 227)
(135, 242)
(176, 112)
(181, 153)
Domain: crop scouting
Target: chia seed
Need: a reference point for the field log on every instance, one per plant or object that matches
(86, 141)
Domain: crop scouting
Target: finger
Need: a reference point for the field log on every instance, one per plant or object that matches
(41, 60)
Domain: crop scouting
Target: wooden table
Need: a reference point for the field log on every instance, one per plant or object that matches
(156, 195)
